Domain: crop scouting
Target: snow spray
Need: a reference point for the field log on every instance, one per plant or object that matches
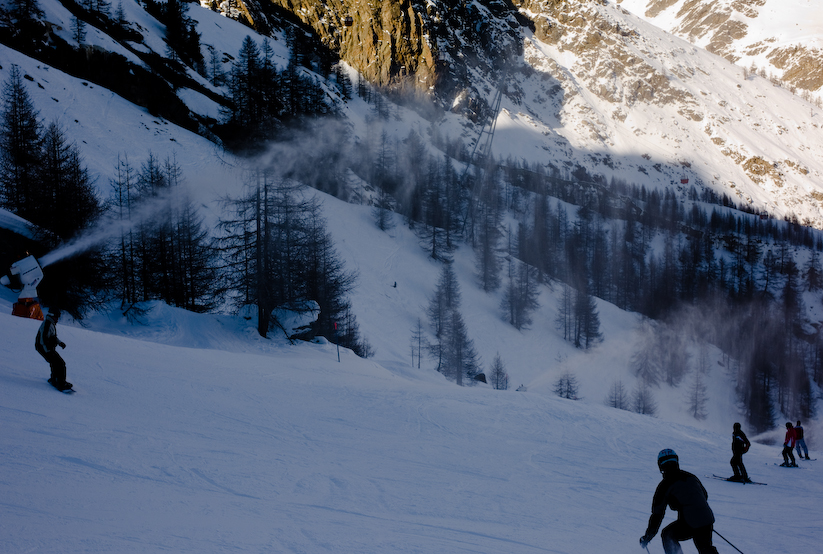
(112, 226)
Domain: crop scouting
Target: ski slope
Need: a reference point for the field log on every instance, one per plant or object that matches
(250, 445)
(190, 433)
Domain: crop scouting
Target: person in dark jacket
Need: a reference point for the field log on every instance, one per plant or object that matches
(800, 441)
(46, 344)
(740, 445)
(684, 493)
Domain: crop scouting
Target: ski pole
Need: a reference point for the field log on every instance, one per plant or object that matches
(727, 540)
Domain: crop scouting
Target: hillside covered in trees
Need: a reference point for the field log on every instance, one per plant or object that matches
(710, 277)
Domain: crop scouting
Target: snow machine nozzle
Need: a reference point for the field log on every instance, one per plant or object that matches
(24, 275)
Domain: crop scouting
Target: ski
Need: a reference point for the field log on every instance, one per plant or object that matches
(721, 478)
(790, 467)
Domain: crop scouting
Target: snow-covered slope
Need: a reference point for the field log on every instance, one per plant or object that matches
(617, 95)
(191, 433)
(783, 38)
(106, 127)
(596, 87)
(245, 445)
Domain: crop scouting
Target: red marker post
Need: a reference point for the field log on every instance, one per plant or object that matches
(336, 338)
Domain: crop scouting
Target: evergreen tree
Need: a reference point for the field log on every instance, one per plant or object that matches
(445, 299)
(643, 400)
(453, 350)
(124, 274)
(277, 252)
(488, 236)
(460, 360)
(20, 148)
(442, 206)
(344, 83)
(182, 38)
(26, 9)
(565, 312)
(418, 342)
(520, 296)
(618, 397)
(217, 76)
(63, 181)
(412, 172)
(120, 16)
(326, 281)
(645, 361)
(78, 30)
(792, 300)
(813, 272)
(194, 261)
(674, 360)
(698, 398)
(586, 321)
(499, 379)
(382, 178)
(566, 386)
(245, 92)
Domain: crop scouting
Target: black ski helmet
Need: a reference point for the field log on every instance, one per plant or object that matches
(667, 455)
(737, 427)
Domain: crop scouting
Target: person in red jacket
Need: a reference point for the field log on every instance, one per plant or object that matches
(788, 446)
(684, 493)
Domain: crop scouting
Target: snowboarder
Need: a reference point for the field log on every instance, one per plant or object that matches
(46, 345)
(788, 446)
(800, 441)
(740, 445)
(684, 493)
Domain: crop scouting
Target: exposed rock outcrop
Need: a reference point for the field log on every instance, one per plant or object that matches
(425, 46)
(726, 29)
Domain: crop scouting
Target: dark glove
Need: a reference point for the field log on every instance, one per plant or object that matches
(62, 345)
(645, 540)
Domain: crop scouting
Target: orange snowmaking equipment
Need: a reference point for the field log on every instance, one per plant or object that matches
(25, 275)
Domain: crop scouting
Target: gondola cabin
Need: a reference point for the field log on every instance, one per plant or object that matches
(348, 21)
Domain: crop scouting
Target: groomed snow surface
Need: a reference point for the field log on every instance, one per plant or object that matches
(192, 434)
(251, 445)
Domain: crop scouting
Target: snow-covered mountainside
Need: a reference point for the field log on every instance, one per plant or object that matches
(668, 111)
(191, 433)
(783, 38)
(588, 84)
(608, 88)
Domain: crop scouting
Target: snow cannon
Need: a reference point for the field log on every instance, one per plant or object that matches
(24, 276)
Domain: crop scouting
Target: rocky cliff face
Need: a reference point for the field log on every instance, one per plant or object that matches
(780, 37)
(607, 54)
(593, 86)
(426, 46)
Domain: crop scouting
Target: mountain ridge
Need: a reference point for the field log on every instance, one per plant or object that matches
(750, 33)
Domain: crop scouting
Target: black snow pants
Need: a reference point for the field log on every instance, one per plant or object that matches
(787, 453)
(56, 363)
(737, 465)
(679, 531)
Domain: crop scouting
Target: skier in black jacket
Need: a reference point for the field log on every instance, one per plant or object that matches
(740, 445)
(46, 345)
(684, 493)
